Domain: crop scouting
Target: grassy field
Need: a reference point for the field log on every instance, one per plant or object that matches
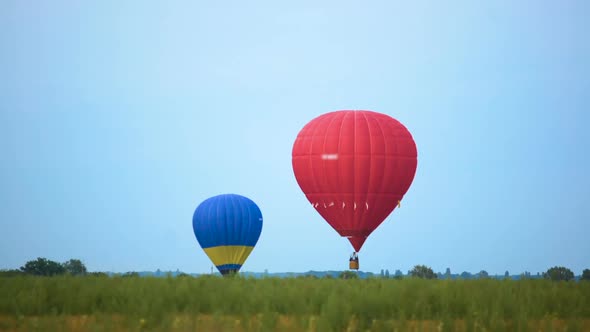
(293, 304)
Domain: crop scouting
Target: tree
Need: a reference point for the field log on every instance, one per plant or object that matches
(386, 273)
(466, 275)
(75, 267)
(585, 275)
(483, 274)
(448, 273)
(558, 273)
(382, 273)
(43, 267)
(506, 274)
(422, 271)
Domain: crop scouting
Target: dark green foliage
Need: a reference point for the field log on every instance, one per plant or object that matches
(422, 271)
(75, 267)
(559, 273)
(43, 267)
(585, 275)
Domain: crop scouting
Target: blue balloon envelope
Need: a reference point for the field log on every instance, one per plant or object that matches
(227, 227)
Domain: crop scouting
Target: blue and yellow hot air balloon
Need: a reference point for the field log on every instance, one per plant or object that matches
(227, 227)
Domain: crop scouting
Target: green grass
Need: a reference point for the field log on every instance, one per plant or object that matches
(322, 304)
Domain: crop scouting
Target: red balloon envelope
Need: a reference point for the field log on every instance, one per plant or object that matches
(354, 167)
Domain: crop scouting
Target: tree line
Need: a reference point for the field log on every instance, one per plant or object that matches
(45, 267)
(556, 273)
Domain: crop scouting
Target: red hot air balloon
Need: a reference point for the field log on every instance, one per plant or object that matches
(354, 167)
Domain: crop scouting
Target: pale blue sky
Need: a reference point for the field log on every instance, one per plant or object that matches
(118, 118)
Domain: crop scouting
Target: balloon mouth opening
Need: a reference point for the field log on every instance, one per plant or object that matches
(228, 272)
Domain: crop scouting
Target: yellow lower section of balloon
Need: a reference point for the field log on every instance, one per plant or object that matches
(222, 255)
